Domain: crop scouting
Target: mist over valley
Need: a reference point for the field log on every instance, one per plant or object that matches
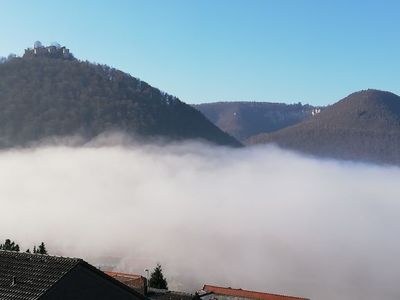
(260, 218)
(199, 150)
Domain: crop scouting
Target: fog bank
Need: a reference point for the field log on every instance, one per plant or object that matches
(255, 218)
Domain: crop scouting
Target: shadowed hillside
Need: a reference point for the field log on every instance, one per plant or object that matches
(42, 97)
(363, 126)
(244, 119)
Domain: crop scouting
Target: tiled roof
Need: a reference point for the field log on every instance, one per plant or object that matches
(247, 294)
(125, 275)
(131, 280)
(169, 295)
(25, 276)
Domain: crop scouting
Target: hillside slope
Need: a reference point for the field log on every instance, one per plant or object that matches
(244, 119)
(364, 126)
(43, 97)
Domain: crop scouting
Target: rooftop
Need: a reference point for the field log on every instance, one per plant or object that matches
(247, 294)
(26, 276)
(124, 275)
(136, 282)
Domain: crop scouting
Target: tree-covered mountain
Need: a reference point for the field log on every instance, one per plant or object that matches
(245, 119)
(363, 126)
(43, 95)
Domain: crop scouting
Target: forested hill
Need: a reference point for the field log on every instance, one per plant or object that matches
(245, 119)
(43, 97)
(364, 126)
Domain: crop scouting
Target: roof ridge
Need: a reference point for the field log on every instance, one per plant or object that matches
(122, 273)
(257, 292)
(20, 267)
(43, 255)
(117, 282)
(49, 272)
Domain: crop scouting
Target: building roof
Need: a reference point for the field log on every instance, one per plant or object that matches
(247, 294)
(124, 275)
(131, 280)
(156, 294)
(26, 276)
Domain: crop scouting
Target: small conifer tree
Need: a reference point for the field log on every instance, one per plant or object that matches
(9, 245)
(41, 249)
(157, 279)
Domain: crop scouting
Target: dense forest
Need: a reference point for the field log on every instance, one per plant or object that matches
(364, 126)
(42, 97)
(245, 119)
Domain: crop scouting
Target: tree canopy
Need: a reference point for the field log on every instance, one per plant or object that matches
(157, 279)
(9, 245)
(41, 249)
(56, 97)
(12, 246)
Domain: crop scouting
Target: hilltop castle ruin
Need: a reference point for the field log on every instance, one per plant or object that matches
(55, 50)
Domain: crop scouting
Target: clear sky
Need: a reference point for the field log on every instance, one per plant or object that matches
(222, 50)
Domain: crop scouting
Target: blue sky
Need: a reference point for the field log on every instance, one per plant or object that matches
(222, 50)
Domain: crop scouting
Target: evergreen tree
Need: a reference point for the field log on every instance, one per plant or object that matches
(9, 245)
(157, 279)
(90, 99)
(41, 249)
(12, 246)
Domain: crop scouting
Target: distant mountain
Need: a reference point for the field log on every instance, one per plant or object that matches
(364, 126)
(245, 119)
(49, 93)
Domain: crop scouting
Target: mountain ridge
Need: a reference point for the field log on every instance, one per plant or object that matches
(243, 119)
(42, 97)
(363, 126)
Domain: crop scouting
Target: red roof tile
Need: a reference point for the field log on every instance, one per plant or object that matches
(247, 294)
(131, 280)
(130, 276)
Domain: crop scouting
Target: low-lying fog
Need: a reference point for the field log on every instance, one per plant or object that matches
(256, 218)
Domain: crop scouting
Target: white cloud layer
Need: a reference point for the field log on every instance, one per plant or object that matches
(255, 218)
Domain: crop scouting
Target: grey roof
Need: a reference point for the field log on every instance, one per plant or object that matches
(25, 276)
(162, 294)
